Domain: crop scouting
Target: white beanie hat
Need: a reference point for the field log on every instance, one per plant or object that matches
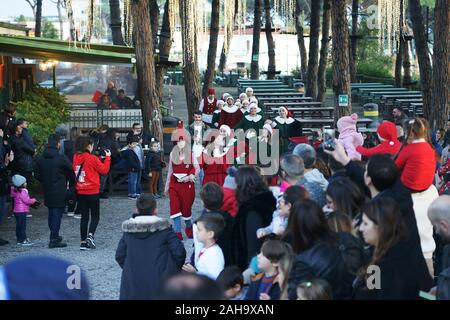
(249, 89)
(226, 128)
(18, 180)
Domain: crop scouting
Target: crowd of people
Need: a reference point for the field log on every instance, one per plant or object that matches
(354, 219)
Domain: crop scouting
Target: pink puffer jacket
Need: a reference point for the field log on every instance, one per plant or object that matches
(22, 200)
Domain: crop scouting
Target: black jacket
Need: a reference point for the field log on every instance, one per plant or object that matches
(352, 251)
(54, 170)
(324, 261)
(403, 198)
(23, 154)
(255, 281)
(4, 150)
(252, 215)
(132, 160)
(148, 252)
(399, 277)
(443, 281)
(153, 161)
(146, 138)
(69, 149)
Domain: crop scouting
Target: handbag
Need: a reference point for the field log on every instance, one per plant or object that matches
(71, 193)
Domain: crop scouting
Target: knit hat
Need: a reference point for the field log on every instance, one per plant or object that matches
(388, 132)
(211, 91)
(18, 180)
(230, 179)
(226, 128)
(347, 122)
(43, 278)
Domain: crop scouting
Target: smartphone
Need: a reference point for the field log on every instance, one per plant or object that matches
(328, 139)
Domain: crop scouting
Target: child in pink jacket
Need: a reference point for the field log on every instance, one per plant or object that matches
(349, 137)
(22, 203)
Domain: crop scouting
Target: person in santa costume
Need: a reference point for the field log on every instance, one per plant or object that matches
(252, 120)
(230, 114)
(283, 122)
(207, 106)
(387, 133)
(183, 169)
(215, 155)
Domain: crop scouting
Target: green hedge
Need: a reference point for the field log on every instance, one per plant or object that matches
(44, 109)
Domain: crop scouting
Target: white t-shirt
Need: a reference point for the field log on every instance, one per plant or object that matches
(210, 261)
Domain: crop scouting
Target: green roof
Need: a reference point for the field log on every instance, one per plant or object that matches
(49, 49)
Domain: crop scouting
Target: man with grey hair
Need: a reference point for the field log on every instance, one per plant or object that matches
(292, 169)
(439, 215)
(313, 180)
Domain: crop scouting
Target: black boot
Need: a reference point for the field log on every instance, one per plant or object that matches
(57, 244)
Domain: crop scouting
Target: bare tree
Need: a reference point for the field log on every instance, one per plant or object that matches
(33, 4)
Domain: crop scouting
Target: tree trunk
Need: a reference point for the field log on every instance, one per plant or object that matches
(313, 64)
(340, 53)
(321, 75)
(154, 18)
(422, 54)
(190, 59)
(212, 49)
(407, 77)
(60, 20)
(354, 40)
(400, 50)
(301, 40)
(116, 22)
(37, 28)
(254, 67)
(71, 21)
(145, 66)
(271, 69)
(165, 44)
(441, 69)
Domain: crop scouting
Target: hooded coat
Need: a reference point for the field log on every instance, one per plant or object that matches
(252, 215)
(54, 171)
(148, 253)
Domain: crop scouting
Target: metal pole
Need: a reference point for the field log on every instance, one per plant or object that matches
(54, 76)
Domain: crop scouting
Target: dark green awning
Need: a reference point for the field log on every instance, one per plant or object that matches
(48, 49)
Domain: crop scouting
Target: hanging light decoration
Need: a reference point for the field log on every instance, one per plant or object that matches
(389, 12)
(229, 18)
(127, 23)
(90, 22)
(285, 9)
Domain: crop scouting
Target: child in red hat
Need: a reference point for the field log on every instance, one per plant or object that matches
(387, 133)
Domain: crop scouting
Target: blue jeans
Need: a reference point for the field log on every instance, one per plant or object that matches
(138, 182)
(21, 226)
(54, 221)
(132, 183)
(2, 208)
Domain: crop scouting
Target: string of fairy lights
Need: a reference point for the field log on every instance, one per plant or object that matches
(389, 12)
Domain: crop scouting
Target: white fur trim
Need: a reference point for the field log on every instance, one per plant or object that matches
(185, 219)
(256, 118)
(145, 224)
(176, 215)
(288, 120)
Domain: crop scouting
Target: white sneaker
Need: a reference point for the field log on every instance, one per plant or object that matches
(71, 214)
(25, 243)
(29, 215)
(77, 216)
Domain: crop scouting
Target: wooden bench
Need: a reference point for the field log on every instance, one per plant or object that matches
(358, 89)
(407, 102)
(293, 104)
(310, 112)
(323, 122)
(272, 90)
(364, 84)
(284, 99)
(280, 95)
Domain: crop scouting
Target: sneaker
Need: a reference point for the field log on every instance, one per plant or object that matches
(3, 242)
(132, 197)
(84, 246)
(25, 243)
(189, 232)
(90, 241)
(77, 216)
(70, 214)
(179, 235)
(29, 215)
(57, 244)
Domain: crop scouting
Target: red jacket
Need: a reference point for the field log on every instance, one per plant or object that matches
(417, 162)
(385, 147)
(230, 204)
(89, 180)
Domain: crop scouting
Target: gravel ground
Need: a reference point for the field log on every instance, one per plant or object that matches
(102, 270)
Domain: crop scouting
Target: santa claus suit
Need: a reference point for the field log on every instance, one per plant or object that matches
(181, 194)
(230, 116)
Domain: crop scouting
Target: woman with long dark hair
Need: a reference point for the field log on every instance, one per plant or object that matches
(88, 169)
(345, 197)
(317, 251)
(392, 270)
(256, 205)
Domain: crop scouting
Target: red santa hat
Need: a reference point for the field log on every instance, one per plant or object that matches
(211, 91)
(289, 114)
(388, 131)
(179, 133)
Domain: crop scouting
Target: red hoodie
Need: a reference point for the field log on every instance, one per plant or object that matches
(388, 131)
(89, 180)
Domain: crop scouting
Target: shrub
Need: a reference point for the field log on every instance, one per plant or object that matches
(44, 109)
